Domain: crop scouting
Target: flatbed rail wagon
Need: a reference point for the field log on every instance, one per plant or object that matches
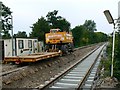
(31, 57)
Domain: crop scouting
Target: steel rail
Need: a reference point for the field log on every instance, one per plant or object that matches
(15, 70)
(11, 71)
(89, 83)
(53, 81)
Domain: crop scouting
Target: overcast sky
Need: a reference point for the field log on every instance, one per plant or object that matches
(27, 12)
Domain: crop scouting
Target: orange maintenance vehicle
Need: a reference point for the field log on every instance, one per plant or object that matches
(59, 40)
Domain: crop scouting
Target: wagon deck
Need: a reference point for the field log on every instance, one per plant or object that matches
(31, 57)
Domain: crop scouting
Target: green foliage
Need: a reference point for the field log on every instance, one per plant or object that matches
(116, 64)
(83, 36)
(117, 74)
(40, 28)
(106, 63)
(43, 26)
(92, 38)
(101, 37)
(63, 24)
(117, 56)
(6, 21)
(117, 44)
(90, 25)
(57, 21)
(20, 34)
(80, 36)
(52, 18)
(6, 35)
(109, 49)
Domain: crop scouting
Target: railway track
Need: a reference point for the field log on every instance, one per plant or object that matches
(11, 71)
(12, 68)
(89, 83)
(76, 76)
(18, 76)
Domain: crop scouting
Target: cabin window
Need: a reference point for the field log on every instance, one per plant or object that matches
(55, 30)
(20, 44)
(29, 43)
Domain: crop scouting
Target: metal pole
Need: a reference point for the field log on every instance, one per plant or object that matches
(113, 47)
(12, 35)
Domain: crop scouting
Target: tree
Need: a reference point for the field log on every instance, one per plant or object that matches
(6, 21)
(101, 37)
(40, 28)
(20, 34)
(57, 21)
(52, 18)
(6, 35)
(80, 35)
(43, 25)
(90, 25)
(63, 24)
(84, 36)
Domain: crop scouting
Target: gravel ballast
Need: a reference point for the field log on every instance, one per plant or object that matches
(39, 72)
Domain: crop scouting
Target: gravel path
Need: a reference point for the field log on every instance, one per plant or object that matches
(39, 72)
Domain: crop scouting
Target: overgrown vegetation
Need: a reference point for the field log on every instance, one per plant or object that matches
(116, 64)
(106, 62)
(117, 56)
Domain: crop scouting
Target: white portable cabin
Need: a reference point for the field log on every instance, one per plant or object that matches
(21, 46)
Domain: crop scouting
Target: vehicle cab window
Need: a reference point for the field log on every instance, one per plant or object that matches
(54, 30)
